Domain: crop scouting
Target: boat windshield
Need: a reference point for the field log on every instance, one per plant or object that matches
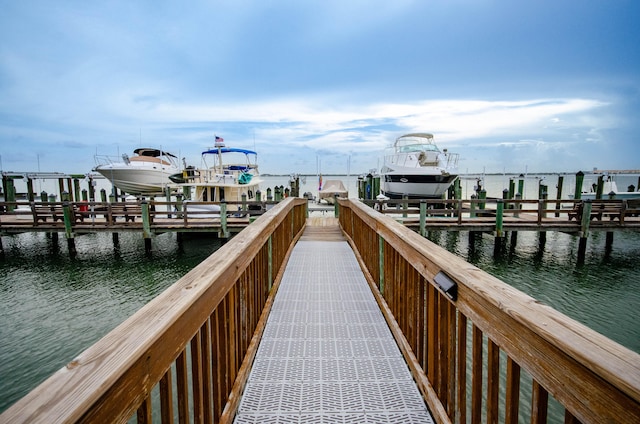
(416, 143)
(416, 147)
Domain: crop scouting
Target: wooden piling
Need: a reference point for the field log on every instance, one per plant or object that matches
(559, 194)
(600, 187)
(423, 217)
(609, 241)
(584, 232)
(405, 205)
(499, 218)
(512, 188)
(68, 227)
(30, 193)
(521, 186)
(577, 194)
(224, 232)
(498, 241)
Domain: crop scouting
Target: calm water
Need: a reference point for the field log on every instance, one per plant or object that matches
(53, 307)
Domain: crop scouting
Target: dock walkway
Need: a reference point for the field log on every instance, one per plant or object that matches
(327, 354)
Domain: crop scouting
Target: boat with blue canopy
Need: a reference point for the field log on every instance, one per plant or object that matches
(225, 175)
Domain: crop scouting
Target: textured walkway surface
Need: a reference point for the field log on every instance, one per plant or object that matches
(327, 355)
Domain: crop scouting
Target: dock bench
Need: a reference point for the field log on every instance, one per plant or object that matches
(612, 209)
(43, 211)
(128, 212)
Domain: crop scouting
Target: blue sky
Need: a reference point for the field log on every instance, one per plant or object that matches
(543, 86)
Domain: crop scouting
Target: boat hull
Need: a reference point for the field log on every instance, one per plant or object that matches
(137, 180)
(621, 195)
(416, 186)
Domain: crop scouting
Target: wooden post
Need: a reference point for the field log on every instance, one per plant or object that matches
(577, 194)
(483, 197)
(76, 189)
(609, 241)
(521, 186)
(423, 217)
(458, 191)
(43, 196)
(336, 206)
(30, 194)
(600, 187)
(146, 220)
(70, 189)
(405, 204)
(559, 194)
(584, 231)
(499, 218)
(167, 195)
(518, 206)
(244, 204)
(497, 247)
(68, 227)
(512, 188)
(9, 190)
(376, 187)
(5, 187)
(472, 204)
(223, 221)
(92, 189)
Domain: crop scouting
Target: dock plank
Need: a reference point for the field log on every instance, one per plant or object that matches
(327, 354)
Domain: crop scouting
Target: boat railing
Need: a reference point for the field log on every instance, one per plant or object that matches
(480, 350)
(178, 358)
(452, 160)
(102, 160)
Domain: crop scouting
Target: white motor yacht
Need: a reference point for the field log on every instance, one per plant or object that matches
(415, 167)
(146, 172)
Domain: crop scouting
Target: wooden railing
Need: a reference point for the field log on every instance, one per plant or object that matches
(177, 359)
(480, 350)
(533, 214)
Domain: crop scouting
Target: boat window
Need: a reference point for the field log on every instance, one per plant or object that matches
(222, 194)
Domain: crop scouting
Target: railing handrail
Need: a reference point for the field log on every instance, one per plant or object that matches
(592, 370)
(119, 370)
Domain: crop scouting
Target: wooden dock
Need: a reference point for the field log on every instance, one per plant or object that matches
(257, 333)
(327, 354)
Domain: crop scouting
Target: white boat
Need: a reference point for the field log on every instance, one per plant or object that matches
(146, 172)
(225, 175)
(609, 191)
(415, 167)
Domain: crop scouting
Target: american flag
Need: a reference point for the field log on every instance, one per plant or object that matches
(219, 139)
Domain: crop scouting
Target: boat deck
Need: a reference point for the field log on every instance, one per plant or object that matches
(327, 354)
